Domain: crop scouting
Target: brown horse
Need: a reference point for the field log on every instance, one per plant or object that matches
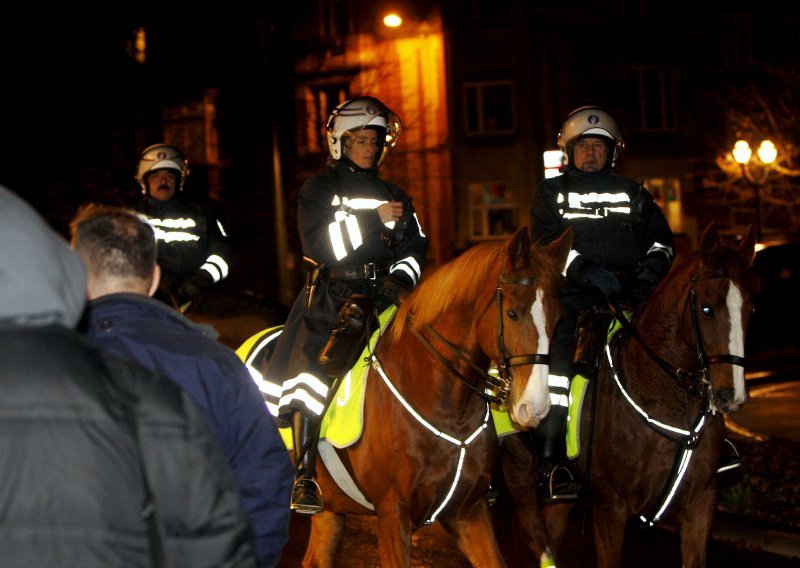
(428, 445)
(656, 415)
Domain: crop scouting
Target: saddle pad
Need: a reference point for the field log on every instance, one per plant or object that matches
(344, 420)
(577, 392)
(502, 422)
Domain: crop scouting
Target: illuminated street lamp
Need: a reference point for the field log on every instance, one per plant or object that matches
(392, 20)
(743, 154)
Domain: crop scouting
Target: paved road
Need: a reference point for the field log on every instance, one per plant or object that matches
(433, 548)
(773, 409)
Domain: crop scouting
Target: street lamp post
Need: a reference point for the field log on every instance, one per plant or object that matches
(743, 154)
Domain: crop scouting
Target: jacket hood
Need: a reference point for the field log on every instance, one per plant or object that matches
(42, 280)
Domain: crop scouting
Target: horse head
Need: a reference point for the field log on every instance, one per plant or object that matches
(527, 311)
(717, 305)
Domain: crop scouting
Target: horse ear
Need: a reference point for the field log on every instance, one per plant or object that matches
(709, 241)
(518, 249)
(560, 247)
(747, 248)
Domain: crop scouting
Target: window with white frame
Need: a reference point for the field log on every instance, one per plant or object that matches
(667, 195)
(489, 107)
(493, 211)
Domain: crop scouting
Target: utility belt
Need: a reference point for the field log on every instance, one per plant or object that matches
(368, 271)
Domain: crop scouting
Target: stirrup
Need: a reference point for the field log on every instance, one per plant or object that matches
(564, 491)
(733, 460)
(306, 496)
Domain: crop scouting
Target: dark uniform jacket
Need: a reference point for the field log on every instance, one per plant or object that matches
(615, 220)
(77, 432)
(340, 227)
(141, 329)
(191, 243)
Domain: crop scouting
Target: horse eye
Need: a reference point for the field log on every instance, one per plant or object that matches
(708, 311)
(513, 315)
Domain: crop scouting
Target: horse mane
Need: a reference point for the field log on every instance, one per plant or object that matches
(462, 280)
(726, 261)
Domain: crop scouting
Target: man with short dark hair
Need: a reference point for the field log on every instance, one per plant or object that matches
(104, 462)
(119, 250)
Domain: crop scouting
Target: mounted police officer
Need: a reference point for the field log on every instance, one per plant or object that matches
(619, 230)
(193, 249)
(362, 246)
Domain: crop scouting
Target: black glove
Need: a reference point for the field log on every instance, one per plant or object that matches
(193, 286)
(604, 281)
(394, 288)
(651, 271)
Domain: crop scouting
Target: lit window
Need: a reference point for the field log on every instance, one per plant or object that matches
(493, 211)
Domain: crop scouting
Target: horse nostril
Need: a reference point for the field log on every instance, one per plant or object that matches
(724, 399)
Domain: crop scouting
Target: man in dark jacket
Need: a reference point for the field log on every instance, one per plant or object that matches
(618, 229)
(105, 463)
(193, 249)
(119, 251)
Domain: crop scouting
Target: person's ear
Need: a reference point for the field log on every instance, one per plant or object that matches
(156, 280)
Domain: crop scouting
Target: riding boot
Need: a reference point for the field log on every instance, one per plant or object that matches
(554, 480)
(306, 495)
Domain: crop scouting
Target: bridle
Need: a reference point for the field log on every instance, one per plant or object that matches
(500, 385)
(694, 381)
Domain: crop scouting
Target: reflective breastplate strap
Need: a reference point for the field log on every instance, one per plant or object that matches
(462, 445)
(686, 440)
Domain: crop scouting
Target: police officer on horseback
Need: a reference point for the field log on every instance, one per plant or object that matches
(363, 246)
(619, 231)
(193, 249)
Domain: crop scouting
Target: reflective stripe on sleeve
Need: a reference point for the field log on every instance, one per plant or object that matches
(573, 254)
(408, 265)
(216, 266)
(661, 248)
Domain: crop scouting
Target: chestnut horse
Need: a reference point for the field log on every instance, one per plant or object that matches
(428, 445)
(662, 386)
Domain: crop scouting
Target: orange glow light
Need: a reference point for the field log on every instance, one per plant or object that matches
(392, 21)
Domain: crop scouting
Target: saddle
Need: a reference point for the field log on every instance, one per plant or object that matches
(591, 337)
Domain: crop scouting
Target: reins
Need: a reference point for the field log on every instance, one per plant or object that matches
(694, 382)
(501, 384)
(691, 381)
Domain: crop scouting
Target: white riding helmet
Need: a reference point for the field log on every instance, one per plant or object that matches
(356, 114)
(161, 157)
(589, 121)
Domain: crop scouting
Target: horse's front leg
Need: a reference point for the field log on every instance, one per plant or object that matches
(394, 536)
(608, 522)
(327, 530)
(695, 527)
(518, 473)
(471, 527)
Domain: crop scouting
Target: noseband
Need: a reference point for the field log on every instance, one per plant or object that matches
(695, 382)
(724, 358)
(501, 385)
